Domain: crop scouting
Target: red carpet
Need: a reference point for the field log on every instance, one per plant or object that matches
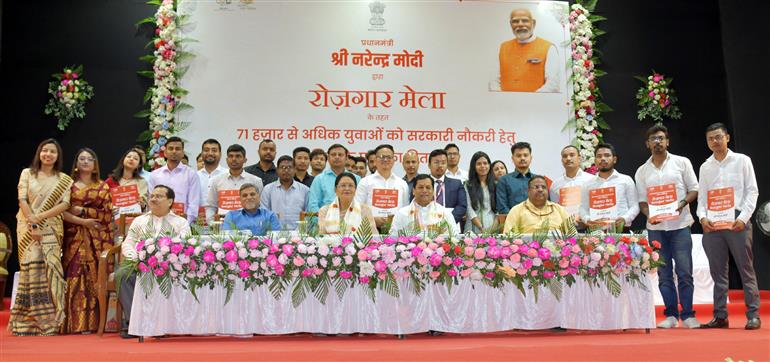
(659, 345)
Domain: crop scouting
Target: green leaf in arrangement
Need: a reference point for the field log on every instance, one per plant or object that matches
(321, 290)
(390, 286)
(277, 287)
(555, 286)
(364, 233)
(147, 20)
(340, 286)
(146, 73)
(299, 291)
(165, 286)
(613, 285)
(229, 287)
(147, 282)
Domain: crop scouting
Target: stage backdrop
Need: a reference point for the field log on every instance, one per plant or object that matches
(417, 75)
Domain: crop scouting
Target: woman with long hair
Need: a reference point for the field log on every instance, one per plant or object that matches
(480, 190)
(44, 194)
(129, 172)
(87, 233)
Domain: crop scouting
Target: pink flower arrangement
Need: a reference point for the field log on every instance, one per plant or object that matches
(493, 261)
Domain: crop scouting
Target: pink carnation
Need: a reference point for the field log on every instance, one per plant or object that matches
(176, 248)
(452, 272)
(152, 261)
(435, 260)
(231, 256)
(159, 272)
(227, 245)
(253, 244)
(243, 274)
(380, 266)
(346, 274)
(140, 245)
(288, 249)
(209, 257)
(143, 267)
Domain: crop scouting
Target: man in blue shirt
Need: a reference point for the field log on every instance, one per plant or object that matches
(322, 190)
(251, 217)
(512, 188)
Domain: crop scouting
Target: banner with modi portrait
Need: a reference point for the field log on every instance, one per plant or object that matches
(413, 74)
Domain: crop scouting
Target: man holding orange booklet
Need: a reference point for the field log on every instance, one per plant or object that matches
(666, 186)
(727, 199)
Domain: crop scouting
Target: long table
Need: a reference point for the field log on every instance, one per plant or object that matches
(471, 307)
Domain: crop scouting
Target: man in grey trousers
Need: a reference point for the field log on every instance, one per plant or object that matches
(727, 199)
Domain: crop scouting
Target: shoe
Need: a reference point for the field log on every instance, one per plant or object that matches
(691, 323)
(669, 322)
(753, 323)
(124, 334)
(435, 333)
(717, 323)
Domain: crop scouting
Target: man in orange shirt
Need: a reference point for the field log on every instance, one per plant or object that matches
(527, 63)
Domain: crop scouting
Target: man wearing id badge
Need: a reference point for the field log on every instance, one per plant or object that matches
(666, 186)
(727, 199)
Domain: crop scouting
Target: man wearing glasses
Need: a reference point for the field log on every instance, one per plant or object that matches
(666, 186)
(159, 222)
(383, 191)
(536, 212)
(726, 202)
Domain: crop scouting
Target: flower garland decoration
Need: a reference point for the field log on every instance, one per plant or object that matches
(69, 93)
(318, 265)
(165, 94)
(656, 98)
(586, 106)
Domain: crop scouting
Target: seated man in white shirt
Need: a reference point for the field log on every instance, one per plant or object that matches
(159, 222)
(424, 214)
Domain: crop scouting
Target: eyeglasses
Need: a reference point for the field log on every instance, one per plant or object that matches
(285, 168)
(157, 196)
(385, 158)
(86, 159)
(657, 138)
(346, 186)
(717, 138)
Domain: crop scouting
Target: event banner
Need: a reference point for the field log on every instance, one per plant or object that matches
(416, 75)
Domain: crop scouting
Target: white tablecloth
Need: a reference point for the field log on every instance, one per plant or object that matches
(470, 308)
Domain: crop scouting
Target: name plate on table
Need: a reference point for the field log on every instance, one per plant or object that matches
(602, 204)
(384, 201)
(662, 202)
(228, 200)
(720, 209)
(569, 197)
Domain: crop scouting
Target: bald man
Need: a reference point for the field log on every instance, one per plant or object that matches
(411, 163)
(527, 63)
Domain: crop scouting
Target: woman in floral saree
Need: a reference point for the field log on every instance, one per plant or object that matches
(87, 233)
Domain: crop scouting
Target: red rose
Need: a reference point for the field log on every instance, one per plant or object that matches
(161, 154)
(446, 247)
(643, 241)
(548, 264)
(656, 244)
(627, 260)
(625, 239)
(458, 249)
(614, 259)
